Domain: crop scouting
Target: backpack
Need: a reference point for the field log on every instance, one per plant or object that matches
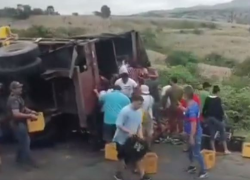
(135, 149)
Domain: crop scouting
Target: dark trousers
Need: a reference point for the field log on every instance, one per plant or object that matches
(22, 135)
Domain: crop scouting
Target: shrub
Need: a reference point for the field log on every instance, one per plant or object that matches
(180, 72)
(209, 25)
(181, 58)
(198, 31)
(237, 106)
(242, 69)
(149, 39)
(218, 60)
(35, 31)
(44, 32)
(237, 82)
(183, 31)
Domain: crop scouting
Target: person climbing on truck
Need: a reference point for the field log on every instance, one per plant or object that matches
(112, 103)
(19, 114)
(128, 85)
(6, 34)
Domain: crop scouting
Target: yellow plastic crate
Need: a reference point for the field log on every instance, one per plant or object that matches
(37, 125)
(111, 152)
(150, 163)
(209, 158)
(246, 150)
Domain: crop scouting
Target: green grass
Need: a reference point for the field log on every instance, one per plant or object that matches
(243, 133)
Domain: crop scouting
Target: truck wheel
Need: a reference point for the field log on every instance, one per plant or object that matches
(18, 54)
(33, 67)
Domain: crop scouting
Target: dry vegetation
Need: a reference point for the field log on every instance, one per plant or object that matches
(227, 40)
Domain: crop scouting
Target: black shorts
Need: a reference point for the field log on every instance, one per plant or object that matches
(120, 151)
(121, 155)
(108, 132)
(128, 158)
(216, 126)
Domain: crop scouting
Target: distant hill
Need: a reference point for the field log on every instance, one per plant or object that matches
(237, 11)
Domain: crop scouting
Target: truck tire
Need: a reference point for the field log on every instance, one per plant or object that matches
(18, 54)
(34, 67)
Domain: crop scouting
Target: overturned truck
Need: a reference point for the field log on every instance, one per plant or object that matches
(59, 76)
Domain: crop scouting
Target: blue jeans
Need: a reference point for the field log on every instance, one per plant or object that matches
(23, 139)
(195, 153)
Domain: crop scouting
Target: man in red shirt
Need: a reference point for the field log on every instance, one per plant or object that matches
(196, 98)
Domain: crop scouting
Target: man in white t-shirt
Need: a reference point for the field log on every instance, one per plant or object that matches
(127, 84)
(148, 119)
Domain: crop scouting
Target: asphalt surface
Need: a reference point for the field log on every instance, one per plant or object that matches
(74, 161)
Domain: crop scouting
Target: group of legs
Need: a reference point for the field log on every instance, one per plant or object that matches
(173, 124)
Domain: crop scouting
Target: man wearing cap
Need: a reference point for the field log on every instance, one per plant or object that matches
(127, 84)
(19, 114)
(147, 107)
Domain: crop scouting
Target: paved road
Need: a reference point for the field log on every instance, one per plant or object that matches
(73, 162)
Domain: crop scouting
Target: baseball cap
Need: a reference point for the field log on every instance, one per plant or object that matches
(123, 69)
(145, 89)
(15, 85)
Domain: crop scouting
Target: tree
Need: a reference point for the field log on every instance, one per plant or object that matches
(75, 14)
(8, 12)
(104, 13)
(27, 9)
(50, 10)
(23, 11)
(105, 10)
(37, 11)
(20, 7)
(232, 17)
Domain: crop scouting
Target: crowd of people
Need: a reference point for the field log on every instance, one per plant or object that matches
(139, 109)
(135, 112)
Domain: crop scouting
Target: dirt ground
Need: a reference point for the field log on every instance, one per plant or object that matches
(74, 161)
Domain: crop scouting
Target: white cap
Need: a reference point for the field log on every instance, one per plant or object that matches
(145, 89)
(123, 69)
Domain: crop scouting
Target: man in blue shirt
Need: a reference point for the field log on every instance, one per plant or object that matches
(113, 102)
(194, 132)
(128, 124)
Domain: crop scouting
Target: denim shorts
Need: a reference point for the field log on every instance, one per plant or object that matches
(216, 126)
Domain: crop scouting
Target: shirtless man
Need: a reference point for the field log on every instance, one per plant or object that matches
(174, 113)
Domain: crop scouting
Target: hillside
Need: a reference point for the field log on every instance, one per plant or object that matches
(171, 34)
(236, 11)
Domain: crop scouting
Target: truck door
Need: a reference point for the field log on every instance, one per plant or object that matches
(86, 82)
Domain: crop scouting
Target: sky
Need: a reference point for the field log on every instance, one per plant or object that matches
(118, 7)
